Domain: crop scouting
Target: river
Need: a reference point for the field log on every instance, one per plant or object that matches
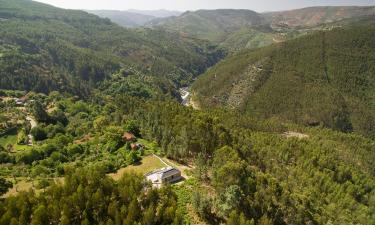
(185, 95)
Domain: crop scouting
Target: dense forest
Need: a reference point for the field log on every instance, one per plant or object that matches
(45, 48)
(326, 78)
(284, 134)
(327, 177)
(89, 197)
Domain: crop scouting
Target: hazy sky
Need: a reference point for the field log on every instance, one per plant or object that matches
(183, 5)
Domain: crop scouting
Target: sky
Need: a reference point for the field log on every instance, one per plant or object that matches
(184, 5)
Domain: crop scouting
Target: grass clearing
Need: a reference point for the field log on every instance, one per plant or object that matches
(22, 185)
(11, 139)
(8, 139)
(147, 164)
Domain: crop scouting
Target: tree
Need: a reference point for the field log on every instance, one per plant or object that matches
(100, 123)
(229, 201)
(22, 137)
(4, 186)
(39, 133)
(58, 116)
(228, 168)
(132, 127)
(40, 216)
(202, 205)
(39, 113)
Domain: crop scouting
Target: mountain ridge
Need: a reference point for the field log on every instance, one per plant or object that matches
(238, 29)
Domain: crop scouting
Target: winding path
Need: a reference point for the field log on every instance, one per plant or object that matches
(33, 124)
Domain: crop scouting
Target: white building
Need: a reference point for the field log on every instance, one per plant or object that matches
(165, 175)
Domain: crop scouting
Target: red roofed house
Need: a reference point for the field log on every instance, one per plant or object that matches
(129, 137)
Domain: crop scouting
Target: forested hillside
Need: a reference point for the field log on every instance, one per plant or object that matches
(212, 24)
(232, 29)
(326, 78)
(45, 48)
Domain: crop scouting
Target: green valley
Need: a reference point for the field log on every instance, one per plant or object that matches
(224, 116)
(45, 48)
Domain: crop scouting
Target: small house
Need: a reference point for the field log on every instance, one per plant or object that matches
(21, 101)
(163, 176)
(129, 137)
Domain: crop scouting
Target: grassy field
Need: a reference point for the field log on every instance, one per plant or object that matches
(11, 139)
(8, 139)
(23, 185)
(147, 164)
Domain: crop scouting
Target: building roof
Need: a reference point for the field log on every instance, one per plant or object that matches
(128, 136)
(164, 172)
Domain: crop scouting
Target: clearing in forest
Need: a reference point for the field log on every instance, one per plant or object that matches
(147, 164)
(291, 134)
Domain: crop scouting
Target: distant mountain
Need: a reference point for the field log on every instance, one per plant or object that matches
(327, 78)
(233, 29)
(124, 18)
(212, 25)
(133, 18)
(238, 29)
(161, 13)
(313, 16)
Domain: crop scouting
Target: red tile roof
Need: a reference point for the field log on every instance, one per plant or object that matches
(128, 136)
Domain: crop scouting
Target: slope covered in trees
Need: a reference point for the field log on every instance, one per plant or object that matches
(246, 171)
(212, 24)
(326, 78)
(232, 29)
(44, 48)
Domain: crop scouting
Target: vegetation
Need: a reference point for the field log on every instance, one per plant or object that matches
(263, 170)
(236, 30)
(313, 16)
(253, 161)
(89, 197)
(325, 78)
(43, 48)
